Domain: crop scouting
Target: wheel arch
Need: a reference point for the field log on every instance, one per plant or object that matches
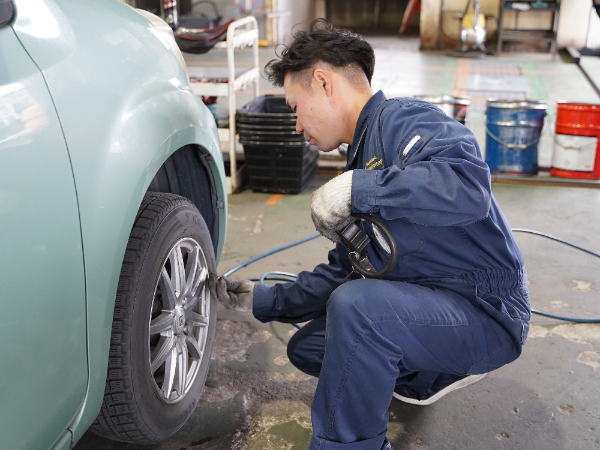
(189, 142)
(187, 173)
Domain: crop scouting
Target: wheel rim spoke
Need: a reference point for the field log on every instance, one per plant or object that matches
(195, 293)
(167, 289)
(182, 365)
(190, 269)
(177, 271)
(199, 280)
(196, 320)
(164, 322)
(193, 348)
(191, 304)
(170, 369)
(161, 352)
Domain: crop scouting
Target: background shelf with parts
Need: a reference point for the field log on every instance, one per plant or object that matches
(528, 35)
(241, 34)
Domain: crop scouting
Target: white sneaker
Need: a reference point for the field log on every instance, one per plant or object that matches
(417, 399)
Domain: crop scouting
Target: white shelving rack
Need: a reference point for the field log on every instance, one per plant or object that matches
(241, 34)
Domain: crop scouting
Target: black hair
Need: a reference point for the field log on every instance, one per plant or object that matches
(323, 42)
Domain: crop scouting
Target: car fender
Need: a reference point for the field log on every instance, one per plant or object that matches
(125, 106)
(116, 193)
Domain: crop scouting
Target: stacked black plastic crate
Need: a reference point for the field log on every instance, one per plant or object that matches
(278, 158)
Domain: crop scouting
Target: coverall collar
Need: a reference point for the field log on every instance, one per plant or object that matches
(363, 122)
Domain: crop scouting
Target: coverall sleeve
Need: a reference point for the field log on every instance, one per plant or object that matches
(435, 174)
(306, 298)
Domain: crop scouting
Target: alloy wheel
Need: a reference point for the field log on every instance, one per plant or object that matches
(178, 326)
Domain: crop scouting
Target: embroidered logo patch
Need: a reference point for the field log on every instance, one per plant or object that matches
(374, 162)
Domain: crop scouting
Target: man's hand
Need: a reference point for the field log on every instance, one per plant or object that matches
(330, 207)
(233, 294)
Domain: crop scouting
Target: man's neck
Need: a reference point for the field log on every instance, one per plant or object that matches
(358, 103)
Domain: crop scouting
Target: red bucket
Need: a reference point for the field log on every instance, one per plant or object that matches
(576, 152)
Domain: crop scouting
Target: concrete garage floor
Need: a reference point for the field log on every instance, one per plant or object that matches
(255, 399)
(548, 399)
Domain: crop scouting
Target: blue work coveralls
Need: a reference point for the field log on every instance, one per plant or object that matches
(456, 302)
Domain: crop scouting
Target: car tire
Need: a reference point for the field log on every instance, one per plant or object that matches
(163, 324)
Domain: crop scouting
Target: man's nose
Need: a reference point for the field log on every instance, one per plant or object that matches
(299, 128)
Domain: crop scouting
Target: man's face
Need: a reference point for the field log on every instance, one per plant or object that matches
(316, 113)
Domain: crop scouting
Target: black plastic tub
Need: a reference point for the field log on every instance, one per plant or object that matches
(268, 106)
(271, 121)
(278, 158)
(273, 137)
(245, 127)
(270, 110)
(282, 167)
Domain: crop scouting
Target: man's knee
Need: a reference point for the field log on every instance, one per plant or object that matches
(351, 298)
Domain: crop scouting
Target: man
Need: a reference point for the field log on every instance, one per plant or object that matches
(456, 304)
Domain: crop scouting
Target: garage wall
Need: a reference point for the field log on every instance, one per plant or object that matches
(572, 26)
(301, 14)
(376, 15)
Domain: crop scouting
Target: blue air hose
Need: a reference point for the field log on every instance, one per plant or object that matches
(256, 258)
(284, 276)
(570, 244)
(290, 277)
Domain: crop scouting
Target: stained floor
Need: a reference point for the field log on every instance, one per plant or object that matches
(254, 399)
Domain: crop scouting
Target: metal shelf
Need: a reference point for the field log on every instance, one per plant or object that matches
(237, 38)
(509, 34)
(222, 89)
(551, 7)
(240, 38)
(528, 35)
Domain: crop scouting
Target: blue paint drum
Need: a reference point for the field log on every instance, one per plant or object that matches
(513, 131)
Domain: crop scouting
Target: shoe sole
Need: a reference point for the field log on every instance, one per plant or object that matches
(467, 381)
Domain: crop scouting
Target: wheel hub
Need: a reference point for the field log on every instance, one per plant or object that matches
(179, 320)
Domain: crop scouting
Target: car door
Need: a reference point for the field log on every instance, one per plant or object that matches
(43, 351)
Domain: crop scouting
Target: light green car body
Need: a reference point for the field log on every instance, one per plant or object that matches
(92, 103)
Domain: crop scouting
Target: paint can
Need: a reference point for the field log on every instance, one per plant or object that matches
(455, 107)
(513, 130)
(576, 153)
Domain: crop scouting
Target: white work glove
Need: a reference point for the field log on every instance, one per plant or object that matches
(233, 294)
(330, 207)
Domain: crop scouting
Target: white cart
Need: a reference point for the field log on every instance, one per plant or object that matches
(241, 33)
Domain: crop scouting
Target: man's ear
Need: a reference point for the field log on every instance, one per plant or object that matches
(322, 80)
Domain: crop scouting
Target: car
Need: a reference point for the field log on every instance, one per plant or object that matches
(113, 214)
